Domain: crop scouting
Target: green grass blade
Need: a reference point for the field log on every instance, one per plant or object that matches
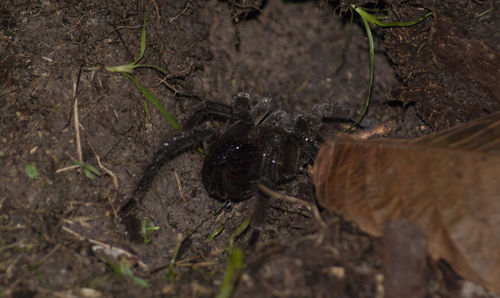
(232, 273)
(146, 111)
(89, 170)
(373, 20)
(143, 43)
(369, 18)
(92, 169)
(171, 274)
(160, 69)
(346, 44)
(124, 268)
(147, 230)
(215, 234)
(129, 68)
(154, 101)
(244, 225)
(88, 174)
(372, 63)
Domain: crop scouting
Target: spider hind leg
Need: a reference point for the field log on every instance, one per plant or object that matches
(173, 147)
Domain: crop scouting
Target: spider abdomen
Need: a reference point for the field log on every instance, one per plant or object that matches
(231, 170)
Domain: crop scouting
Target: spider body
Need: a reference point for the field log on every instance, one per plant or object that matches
(262, 144)
(231, 167)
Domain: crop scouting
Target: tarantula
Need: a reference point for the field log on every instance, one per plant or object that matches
(263, 145)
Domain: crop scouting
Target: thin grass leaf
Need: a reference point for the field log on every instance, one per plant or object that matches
(129, 68)
(347, 41)
(124, 269)
(88, 174)
(143, 43)
(140, 282)
(92, 169)
(158, 68)
(146, 111)
(232, 273)
(372, 63)
(244, 225)
(373, 20)
(89, 170)
(147, 230)
(171, 275)
(215, 234)
(154, 101)
(126, 70)
(368, 18)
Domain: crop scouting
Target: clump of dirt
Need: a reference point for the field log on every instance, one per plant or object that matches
(53, 80)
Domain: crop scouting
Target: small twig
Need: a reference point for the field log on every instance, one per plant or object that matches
(104, 245)
(181, 13)
(171, 87)
(180, 73)
(200, 264)
(56, 248)
(293, 200)
(197, 257)
(67, 168)
(381, 129)
(75, 112)
(12, 245)
(115, 183)
(303, 85)
(157, 9)
(179, 186)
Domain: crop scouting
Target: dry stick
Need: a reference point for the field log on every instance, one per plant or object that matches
(380, 129)
(276, 195)
(76, 80)
(75, 112)
(77, 124)
(181, 13)
(44, 258)
(13, 245)
(197, 257)
(157, 9)
(178, 74)
(115, 183)
(104, 245)
(67, 168)
(179, 186)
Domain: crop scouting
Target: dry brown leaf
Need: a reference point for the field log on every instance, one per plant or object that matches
(448, 184)
(404, 265)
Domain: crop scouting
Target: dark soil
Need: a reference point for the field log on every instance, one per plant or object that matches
(53, 54)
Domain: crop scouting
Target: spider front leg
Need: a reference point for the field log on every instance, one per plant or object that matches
(304, 136)
(173, 147)
(239, 111)
(284, 149)
(278, 164)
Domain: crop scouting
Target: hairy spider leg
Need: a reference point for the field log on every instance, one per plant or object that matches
(173, 147)
(305, 139)
(239, 111)
(206, 110)
(279, 158)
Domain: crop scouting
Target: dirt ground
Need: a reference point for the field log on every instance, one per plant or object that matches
(53, 54)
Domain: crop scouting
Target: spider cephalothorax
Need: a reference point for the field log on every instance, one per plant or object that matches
(262, 145)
